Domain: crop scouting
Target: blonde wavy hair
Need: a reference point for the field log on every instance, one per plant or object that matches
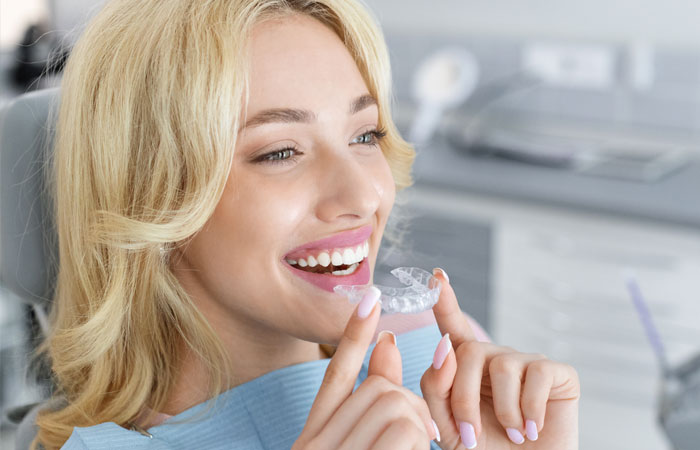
(150, 101)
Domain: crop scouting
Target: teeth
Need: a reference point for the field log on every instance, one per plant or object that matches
(347, 271)
(346, 256)
(324, 259)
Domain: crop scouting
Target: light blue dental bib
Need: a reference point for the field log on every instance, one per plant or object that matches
(268, 412)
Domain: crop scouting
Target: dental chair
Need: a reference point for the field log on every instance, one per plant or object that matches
(28, 247)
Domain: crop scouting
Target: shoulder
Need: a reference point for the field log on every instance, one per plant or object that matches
(107, 435)
(74, 442)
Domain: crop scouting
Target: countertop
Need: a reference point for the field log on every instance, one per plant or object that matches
(671, 105)
(674, 199)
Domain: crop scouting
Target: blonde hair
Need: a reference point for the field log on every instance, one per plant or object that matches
(144, 143)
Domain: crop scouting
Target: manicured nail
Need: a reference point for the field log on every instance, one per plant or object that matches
(531, 430)
(466, 432)
(368, 302)
(443, 348)
(515, 436)
(385, 335)
(437, 432)
(444, 274)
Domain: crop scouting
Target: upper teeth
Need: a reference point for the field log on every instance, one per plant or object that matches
(338, 257)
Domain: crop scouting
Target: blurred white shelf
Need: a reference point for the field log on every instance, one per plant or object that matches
(558, 289)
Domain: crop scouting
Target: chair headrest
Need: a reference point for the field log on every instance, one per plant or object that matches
(28, 250)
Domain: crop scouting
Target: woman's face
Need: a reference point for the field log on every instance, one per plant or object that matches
(307, 167)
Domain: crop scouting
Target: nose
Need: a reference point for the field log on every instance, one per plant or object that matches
(349, 189)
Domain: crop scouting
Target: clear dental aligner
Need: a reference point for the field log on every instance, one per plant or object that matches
(420, 293)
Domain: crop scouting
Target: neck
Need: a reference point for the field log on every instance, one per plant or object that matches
(253, 350)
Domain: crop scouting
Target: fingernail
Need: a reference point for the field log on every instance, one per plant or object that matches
(443, 348)
(531, 430)
(515, 436)
(386, 335)
(437, 432)
(444, 274)
(466, 432)
(368, 302)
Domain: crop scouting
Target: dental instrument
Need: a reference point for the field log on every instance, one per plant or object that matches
(445, 80)
(679, 390)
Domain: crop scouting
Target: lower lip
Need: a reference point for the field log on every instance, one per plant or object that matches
(328, 282)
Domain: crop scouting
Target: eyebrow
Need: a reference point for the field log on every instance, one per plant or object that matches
(291, 115)
(362, 102)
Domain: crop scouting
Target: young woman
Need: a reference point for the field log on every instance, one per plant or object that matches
(204, 150)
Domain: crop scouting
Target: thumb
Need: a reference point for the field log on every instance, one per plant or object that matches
(386, 358)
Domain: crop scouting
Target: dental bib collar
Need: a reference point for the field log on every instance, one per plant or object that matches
(420, 294)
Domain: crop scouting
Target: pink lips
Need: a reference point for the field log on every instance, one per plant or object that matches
(344, 239)
(327, 281)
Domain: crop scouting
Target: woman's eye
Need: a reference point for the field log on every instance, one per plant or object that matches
(370, 137)
(289, 155)
(282, 156)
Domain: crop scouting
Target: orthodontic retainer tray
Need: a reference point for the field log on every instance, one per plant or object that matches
(417, 296)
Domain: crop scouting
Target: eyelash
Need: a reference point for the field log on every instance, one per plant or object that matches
(376, 135)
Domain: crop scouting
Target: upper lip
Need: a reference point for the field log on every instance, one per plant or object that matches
(343, 239)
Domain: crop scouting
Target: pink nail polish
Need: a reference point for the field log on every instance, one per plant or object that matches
(466, 432)
(386, 334)
(443, 348)
(531, 430)
(368, 302)
(444, 274)
(437, 432)
(515, 435)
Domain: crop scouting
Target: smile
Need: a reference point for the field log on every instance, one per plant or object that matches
(340, 259)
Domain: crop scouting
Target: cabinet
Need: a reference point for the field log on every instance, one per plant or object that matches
(558, 288)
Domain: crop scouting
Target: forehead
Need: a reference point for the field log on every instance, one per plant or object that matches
(296, 61)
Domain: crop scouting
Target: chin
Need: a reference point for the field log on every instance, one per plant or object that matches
(327, 315)
(327, 324)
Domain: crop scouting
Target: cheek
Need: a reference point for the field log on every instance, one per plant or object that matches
(242, 241)
(385, 186)
(257, 220)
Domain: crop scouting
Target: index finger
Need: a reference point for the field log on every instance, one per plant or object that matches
(448, 315)
(345, 365)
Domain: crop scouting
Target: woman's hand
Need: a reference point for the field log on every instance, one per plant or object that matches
(381, 413)
(489, 397)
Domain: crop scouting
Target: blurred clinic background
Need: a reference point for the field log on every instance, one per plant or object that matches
(557, 182)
